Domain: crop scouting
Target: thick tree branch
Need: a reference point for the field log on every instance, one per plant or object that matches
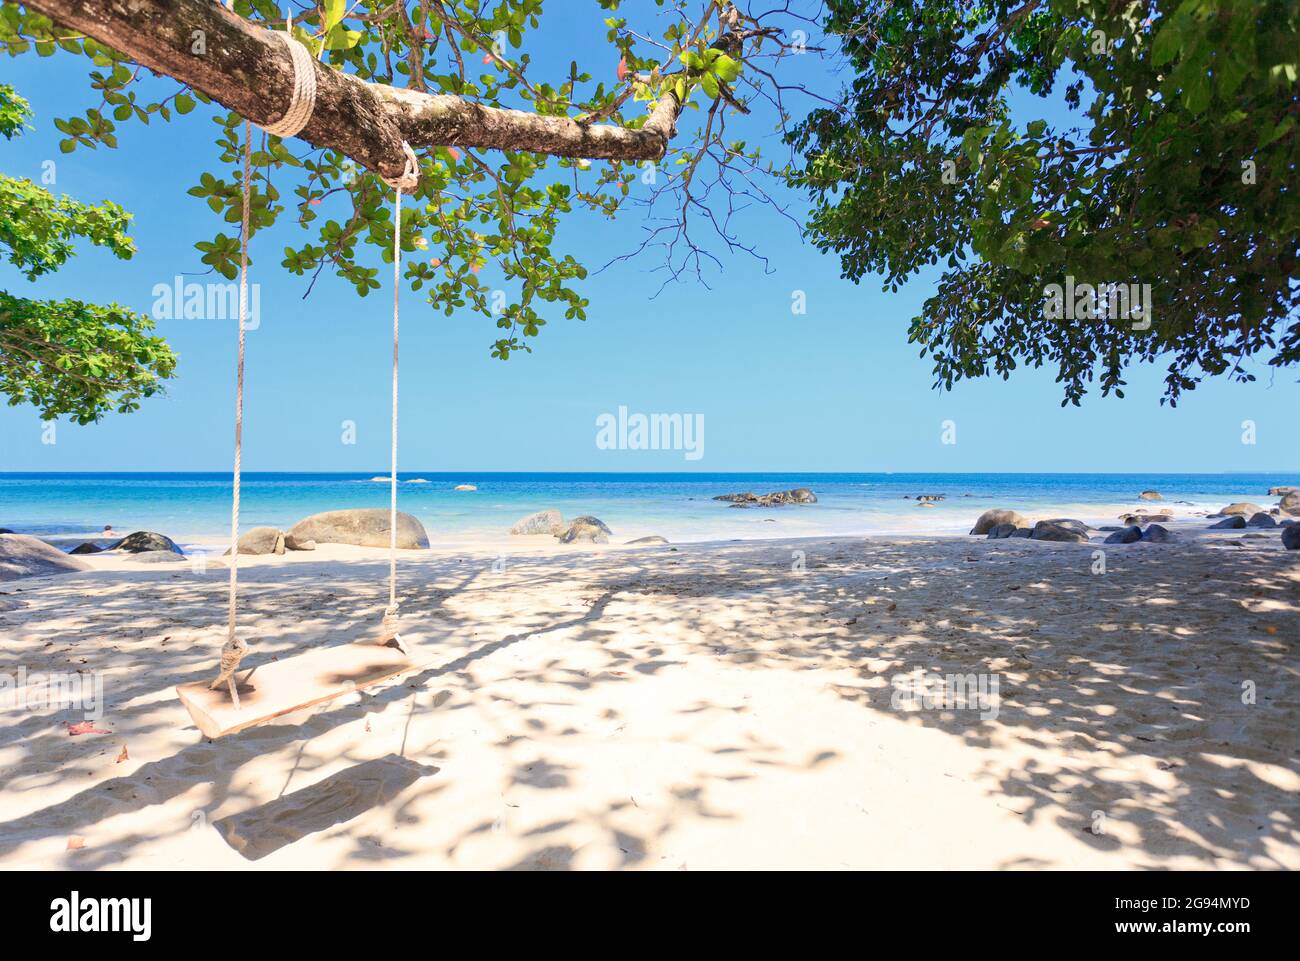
(247, 70)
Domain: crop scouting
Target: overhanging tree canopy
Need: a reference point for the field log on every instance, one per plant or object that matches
(448, 77)
(1178, 169)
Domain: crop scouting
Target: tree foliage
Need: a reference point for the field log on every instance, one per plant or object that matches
(66, 356)
(478, 224)
(1176, 167)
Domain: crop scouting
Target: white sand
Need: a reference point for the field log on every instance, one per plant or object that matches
(705, 707)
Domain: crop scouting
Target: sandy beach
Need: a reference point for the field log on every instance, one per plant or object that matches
(723, 705)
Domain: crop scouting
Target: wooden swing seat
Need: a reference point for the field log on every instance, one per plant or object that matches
(277, 688)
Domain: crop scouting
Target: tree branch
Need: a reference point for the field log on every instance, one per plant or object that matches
(247, 70)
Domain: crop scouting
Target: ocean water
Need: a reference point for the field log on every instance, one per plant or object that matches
(194, 509)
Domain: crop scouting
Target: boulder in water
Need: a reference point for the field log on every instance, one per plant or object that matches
(543, 522)
(991, 519)
(588, 529)
(1150, 496)
(361, 527)
(797, 495)
(1290, 502)
(465, 487)
(87, 548)
(23, 556)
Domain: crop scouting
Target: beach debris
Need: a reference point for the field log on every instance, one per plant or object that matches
(549, 521)
(360, 527)
(992, 518)
(123, 755)
(145, 541)
(652, 539)
(586, 528)
(796, 495)
(76, 843)
(1150, 496)
(83, 727)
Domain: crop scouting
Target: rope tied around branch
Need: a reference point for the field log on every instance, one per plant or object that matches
(302, 96)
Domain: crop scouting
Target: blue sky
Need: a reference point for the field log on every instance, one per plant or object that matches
(838, 388)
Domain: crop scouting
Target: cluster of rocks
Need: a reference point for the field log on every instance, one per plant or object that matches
(799, 495)
(1286, 515)
(1147, 527)
(360, 527)
(146, 547)
(1001, 523)
(1239, 521)
(585, 529)
(1152, 534)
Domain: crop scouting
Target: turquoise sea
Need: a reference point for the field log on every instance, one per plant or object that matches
(194, 508)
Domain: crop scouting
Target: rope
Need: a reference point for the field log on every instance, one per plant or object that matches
(408, 181)
(302, 98)
(233, 651)
(302, 102)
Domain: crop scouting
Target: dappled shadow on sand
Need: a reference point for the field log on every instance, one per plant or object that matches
(1108, 703)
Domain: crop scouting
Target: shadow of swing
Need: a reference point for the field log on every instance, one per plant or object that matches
(337, 799)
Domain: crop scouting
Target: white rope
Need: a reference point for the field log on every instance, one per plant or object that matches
(302, 98)
(233, 651)
(408, 181)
